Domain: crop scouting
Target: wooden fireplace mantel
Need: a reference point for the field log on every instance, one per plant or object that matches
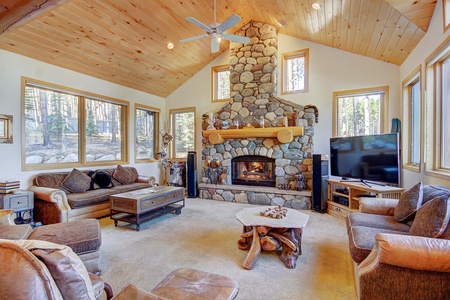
(283, 134)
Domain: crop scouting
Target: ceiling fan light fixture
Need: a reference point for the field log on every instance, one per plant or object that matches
(316, 6)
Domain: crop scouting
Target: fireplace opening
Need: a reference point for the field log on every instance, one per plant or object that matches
(253, 170)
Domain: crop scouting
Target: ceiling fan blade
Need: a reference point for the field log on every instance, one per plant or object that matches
(228, 23)
(236, 38)
(214, 44)
(199, 24)
(197, 37)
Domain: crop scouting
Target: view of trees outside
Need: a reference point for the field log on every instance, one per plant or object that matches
(445, 151)
(145, 134)
(295, 71)
(184, 133)
(415, 123)
(359, 115)
(223, 84)
(52, 128)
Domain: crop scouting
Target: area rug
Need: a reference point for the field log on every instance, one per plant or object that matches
(204, 237)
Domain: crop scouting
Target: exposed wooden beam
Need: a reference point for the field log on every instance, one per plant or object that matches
(15, 13)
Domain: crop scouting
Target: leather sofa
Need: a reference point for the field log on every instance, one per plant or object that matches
(38, 270)
(401, 248)
(66, 196)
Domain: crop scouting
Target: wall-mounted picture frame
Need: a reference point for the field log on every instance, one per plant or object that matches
(446, 9)
(6, 129)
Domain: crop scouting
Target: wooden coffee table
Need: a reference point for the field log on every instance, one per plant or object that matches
(142, 205)
(266, 233)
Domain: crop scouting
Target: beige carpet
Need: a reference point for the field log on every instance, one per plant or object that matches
(204, 237)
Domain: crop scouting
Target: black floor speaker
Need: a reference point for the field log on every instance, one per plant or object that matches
(192, 174)
(320, 185)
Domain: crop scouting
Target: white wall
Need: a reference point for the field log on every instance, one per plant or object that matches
(330, 70)
(13, 67)
(432, 39)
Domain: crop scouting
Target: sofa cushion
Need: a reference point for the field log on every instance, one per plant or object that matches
(83, 236)
(89, 197)
(432, 191)
(50, 180)
(362, 239)
(15, 232)
(432, 218)
(76, 182)
(66, 268)
(409, 202)
(123, 175)
(130, 187)
(376, 221)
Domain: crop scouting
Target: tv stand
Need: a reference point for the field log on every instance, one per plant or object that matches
(341, 204)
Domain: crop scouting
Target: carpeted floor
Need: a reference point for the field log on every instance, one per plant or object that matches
(204, 237)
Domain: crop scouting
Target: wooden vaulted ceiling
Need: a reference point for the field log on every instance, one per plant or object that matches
(124, 41)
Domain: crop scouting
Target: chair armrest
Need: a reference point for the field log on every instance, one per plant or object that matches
(55, 197)
(378, 206)
(6, 217)
(146, 179)
(412, 252)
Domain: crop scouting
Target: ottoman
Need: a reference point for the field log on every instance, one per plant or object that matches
(188, 283)
(83, 236)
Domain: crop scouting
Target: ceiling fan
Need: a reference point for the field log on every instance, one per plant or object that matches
(217, 31)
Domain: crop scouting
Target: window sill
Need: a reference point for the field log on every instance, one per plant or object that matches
(412, 168)
(442, 174)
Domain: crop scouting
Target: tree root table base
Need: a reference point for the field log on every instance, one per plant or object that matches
(264, 233)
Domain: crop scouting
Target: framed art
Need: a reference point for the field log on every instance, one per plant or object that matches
(6, 129)
(446, 9)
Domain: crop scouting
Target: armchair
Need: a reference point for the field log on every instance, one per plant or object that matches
(34, 269)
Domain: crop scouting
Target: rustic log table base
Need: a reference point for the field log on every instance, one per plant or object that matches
(262, 233)
(258, 238)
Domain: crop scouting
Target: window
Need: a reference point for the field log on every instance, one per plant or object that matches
(360, 112)
(146, 139)
(220, 76)
(69, 128)
(295, 71)
(183, 129)
(412, 117)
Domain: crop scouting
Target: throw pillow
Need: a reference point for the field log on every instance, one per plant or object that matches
(76, 182)
(432, 218)
(100, 180)
(123, 175)
(409, 202)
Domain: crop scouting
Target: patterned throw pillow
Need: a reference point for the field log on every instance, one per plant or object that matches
(409, 202)
(76, 182)
(124, 175)
(432, 218)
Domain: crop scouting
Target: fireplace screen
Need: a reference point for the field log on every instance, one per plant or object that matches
(253, 170)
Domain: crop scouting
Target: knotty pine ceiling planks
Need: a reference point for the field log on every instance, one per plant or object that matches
(124, 41)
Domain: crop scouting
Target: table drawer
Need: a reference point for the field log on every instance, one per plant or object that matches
(177, 195)
(22, 201)
(153, 203)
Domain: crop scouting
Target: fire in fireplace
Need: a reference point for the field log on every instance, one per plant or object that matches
(253, 170)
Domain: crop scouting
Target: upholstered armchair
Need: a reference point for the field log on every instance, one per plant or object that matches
(32, 269)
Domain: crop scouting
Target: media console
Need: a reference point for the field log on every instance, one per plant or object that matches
(343, 196)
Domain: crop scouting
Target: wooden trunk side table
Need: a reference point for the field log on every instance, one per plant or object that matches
(265, 233)
(20, 202)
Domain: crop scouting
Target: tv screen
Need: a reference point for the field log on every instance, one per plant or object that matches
(372, 158)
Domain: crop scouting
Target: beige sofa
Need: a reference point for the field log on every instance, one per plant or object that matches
(401, 248)
(57, 200)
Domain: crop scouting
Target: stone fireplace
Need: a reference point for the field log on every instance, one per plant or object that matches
(257, 147)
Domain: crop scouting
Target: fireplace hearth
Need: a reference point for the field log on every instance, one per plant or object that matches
(253, 170)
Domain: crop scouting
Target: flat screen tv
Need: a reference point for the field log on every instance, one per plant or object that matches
(369, 158)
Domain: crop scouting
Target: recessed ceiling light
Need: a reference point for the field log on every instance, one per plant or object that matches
(282, 23)
(316, 6)
(170, 46)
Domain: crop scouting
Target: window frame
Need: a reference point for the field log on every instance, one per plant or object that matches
(446, 14)
(408, 139)
(284, 76)
(433, 113)
(82, 95)
(215, 82)
(157, 112)
(384, 118)
(172, 112)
